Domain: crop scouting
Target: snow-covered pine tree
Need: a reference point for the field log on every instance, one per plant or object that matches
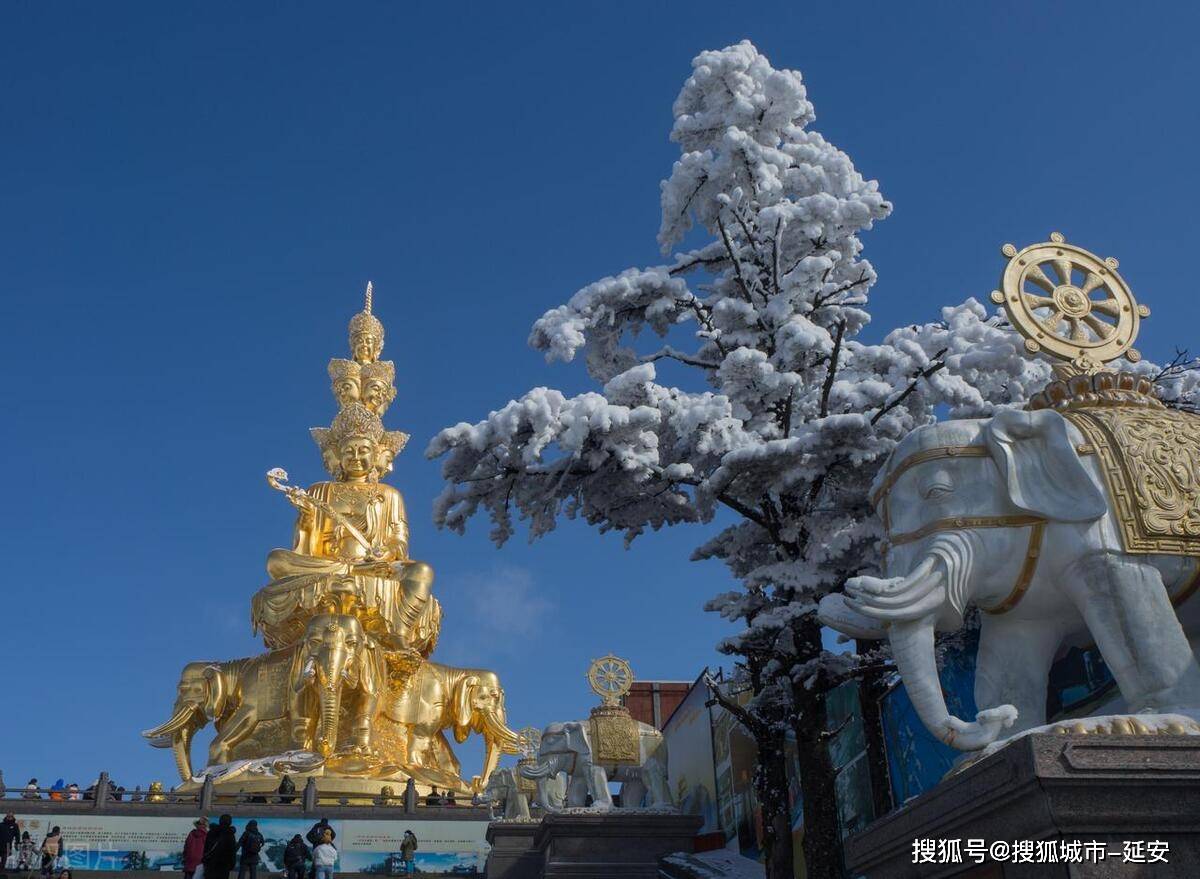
(786, 419)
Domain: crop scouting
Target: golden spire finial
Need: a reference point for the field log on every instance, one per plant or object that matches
(366, 332)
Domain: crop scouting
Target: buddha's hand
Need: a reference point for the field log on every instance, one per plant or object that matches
(377, 568)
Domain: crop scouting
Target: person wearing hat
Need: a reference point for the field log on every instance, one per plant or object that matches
(193, 847)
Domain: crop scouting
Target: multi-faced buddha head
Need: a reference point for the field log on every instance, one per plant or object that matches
(376, 388)
(390, 446)
(345, 380)
(350, 447)
(366, 337)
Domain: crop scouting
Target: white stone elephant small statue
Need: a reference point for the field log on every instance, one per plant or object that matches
(1012, 514)
(503, 789)
(566, 748)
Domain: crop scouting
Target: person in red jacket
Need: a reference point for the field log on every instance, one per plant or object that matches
(193, 848)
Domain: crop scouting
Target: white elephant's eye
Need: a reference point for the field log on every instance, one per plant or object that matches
(937, 490)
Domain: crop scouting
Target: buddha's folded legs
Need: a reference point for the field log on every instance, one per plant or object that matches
(286, 563)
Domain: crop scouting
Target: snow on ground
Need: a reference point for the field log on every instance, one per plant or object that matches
(722, 864)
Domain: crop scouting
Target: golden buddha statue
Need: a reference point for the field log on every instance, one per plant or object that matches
(346, 690)
(350, 546)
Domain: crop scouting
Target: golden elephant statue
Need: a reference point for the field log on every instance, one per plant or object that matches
(301, 685)
(464, 700)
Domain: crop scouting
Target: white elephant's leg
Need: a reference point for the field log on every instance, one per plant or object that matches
(633, 789)
(654, 774)
(1013, 665)
(597, 780)
(577, 790)
(1127, 610)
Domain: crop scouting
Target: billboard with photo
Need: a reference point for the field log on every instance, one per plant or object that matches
(690, 764)
(116, 842)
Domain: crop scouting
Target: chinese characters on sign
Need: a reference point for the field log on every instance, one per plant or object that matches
(1029, 851)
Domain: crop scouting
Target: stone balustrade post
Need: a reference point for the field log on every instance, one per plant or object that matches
(206, 795)
(100, 794)
(410, 796)
(310, 795)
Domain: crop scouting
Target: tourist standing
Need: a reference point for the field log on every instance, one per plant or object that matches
(220, 850)
(250, 844)
(27, 853)
(287, 789)
(193, 847)
(408, 852)
(52, 850)
(10, 837)
(31, 790)
(317, 831)
(325, 856)
(295, 858)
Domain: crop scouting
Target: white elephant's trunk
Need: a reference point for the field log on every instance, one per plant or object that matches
(913, 651)
(934, 593)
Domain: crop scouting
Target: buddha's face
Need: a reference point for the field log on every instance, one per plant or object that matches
(375, 394)
(357, 457)
(365, 347)
(386, 459)
(345, 389)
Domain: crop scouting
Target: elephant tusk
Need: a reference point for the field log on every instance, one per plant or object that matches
(160, 736)
(929, 604)
(899, 589)
(923, 588)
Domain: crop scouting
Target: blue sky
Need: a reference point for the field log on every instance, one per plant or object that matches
(193, 196)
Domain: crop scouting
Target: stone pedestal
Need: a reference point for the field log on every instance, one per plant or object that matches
(1111, 790)
(589, 845)
(513, 854)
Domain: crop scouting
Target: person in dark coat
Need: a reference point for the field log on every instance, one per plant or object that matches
(287, 788)
(317, 831)
(250, 845)
(295, 856)
(314, 838)
(220, 849)
(10, 836)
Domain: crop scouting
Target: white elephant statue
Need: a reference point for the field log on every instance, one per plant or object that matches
(503, 788)
(566, 748)
(1012, 514)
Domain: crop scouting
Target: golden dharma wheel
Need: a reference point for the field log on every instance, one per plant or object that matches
(610, 678)
(1069, 303)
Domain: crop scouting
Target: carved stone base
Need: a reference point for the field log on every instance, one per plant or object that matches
(513, 855)
(583, 844)
(1108, 789)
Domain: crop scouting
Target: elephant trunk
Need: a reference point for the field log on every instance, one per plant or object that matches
(182, 749)
(913, 650)
(330, 699)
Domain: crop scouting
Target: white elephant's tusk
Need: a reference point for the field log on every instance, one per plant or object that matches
(893, 586)
(927, 604)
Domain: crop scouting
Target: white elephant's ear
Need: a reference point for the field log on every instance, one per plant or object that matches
(1041, 468)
